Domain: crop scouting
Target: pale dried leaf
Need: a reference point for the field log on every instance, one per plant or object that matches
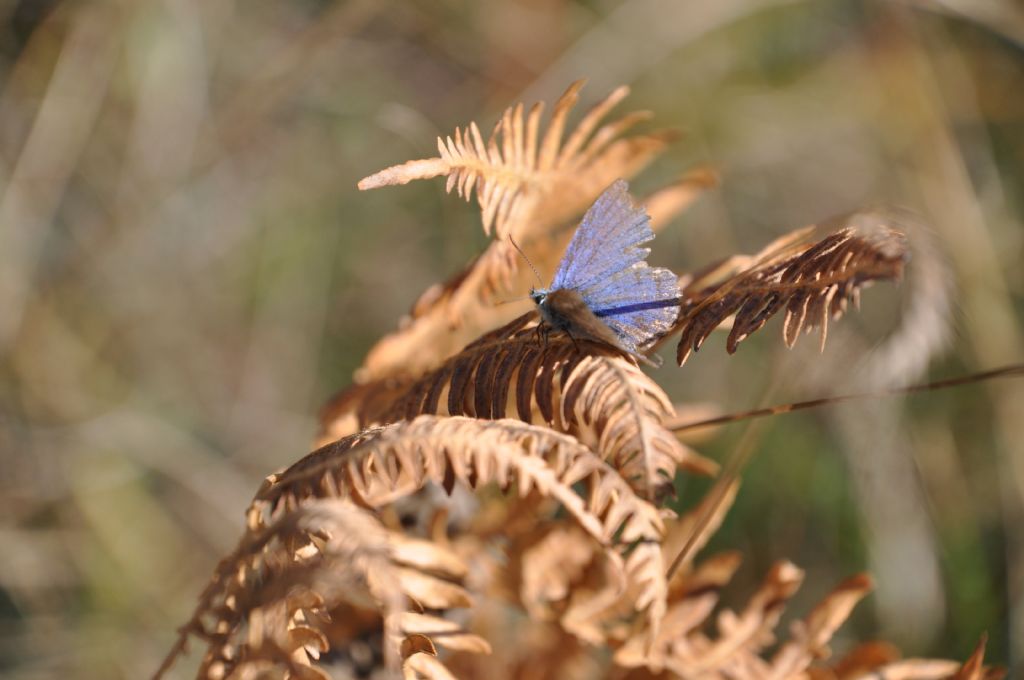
(430, 591)
(442, 632)
(594, 605)
(421, 666)
(551, 567)
(427, 556)
(810, 637)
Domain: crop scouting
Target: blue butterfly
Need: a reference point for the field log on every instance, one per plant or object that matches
(603, 289)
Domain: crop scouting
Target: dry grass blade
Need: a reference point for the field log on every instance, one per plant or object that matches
(685, 536)
(585, 389)
(812, 278)
(679, 425)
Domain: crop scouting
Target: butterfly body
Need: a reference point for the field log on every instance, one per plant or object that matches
(563, 309)
(603, 290)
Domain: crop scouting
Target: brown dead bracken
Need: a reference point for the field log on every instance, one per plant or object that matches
(489, 505)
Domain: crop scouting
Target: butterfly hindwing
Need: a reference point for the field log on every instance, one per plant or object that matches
(606, 264)
(639, 304)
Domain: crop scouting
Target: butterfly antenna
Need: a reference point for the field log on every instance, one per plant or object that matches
(535, 272)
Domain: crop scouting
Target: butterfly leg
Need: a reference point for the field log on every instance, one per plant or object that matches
(542, 334)
(574, 343)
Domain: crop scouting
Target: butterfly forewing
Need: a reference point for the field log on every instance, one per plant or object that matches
(605, 263)
(607, 241)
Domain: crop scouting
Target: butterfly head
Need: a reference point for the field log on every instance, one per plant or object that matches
(543, 298)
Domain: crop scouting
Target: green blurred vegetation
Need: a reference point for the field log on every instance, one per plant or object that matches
(187, 272)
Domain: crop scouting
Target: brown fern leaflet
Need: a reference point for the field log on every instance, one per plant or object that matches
(812, 278)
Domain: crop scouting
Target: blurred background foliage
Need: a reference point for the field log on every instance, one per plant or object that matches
(187, 272)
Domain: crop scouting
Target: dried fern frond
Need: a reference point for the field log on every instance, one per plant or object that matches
(451, 314)
(268, 601)
(741, 648)
(538, 651)
(435, 630)
(812, 278)
(384, 464)
(688, 612)
(533, 188)
(518, 167)
(741, 636)
(582, 388)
